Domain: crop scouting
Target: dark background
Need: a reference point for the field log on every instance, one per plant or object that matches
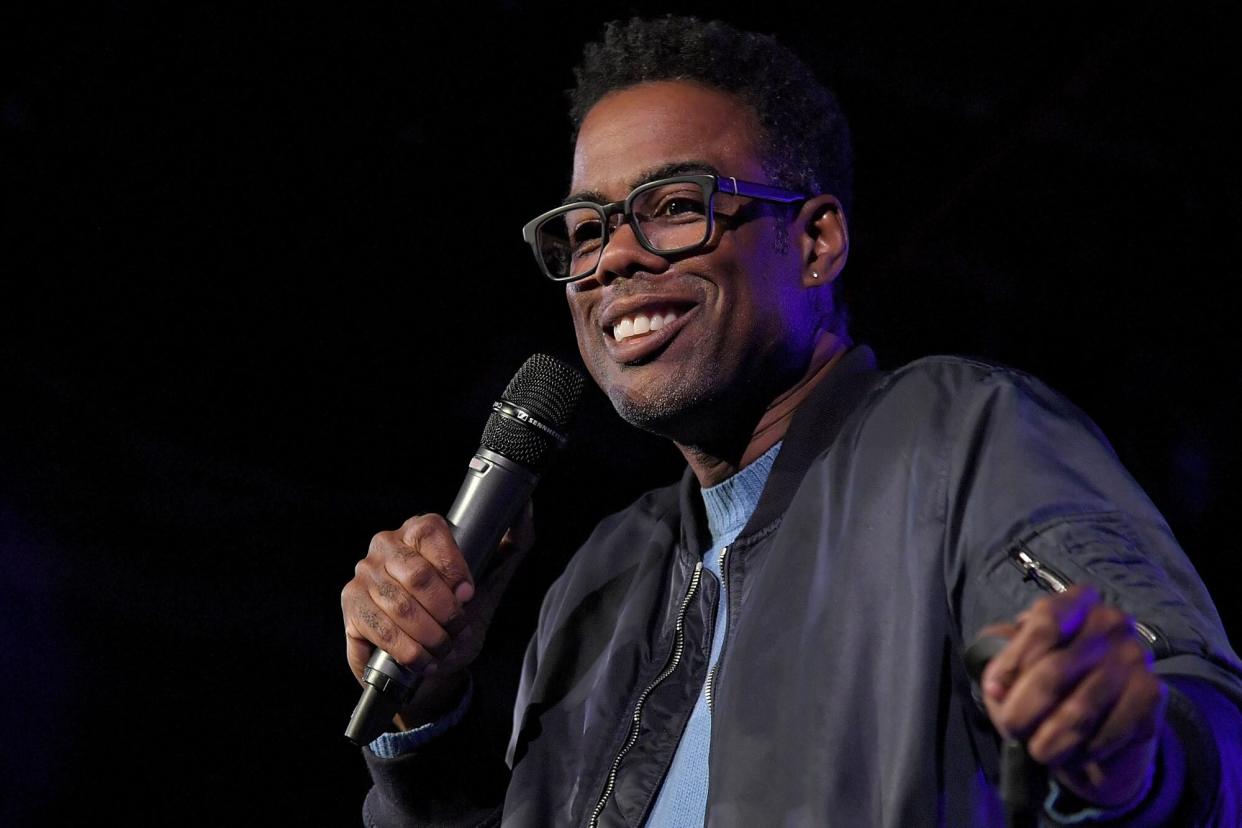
(261, 277)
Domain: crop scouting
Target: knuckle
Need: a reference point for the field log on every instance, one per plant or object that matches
(348, 598)
(1043, 626)
(379, 541)
(453, 569)
(421, 575)
(382, 632)
(386, 634)
(403, 608)
(1076, 716)
(424, 527)
(1053, 669)
(398, 602)
(1114, 618)
(1045, 678)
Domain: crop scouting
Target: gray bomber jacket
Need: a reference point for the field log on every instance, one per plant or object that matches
(896, 523)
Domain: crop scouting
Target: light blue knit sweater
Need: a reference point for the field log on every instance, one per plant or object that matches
(682, 800)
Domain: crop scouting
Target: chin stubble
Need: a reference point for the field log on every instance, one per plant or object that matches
(671, 409)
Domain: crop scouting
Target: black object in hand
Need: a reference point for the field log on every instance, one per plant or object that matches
(1023, 781)
(526, 424)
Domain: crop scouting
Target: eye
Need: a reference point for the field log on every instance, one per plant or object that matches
(584, 236)
(682, 205)
(672, 204)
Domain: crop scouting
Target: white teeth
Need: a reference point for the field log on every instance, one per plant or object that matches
(641, 323)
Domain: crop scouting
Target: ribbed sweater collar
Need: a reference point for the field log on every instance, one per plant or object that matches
(729, 504)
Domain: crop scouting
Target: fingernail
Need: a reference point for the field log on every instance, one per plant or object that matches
(464, 591)
(993, 689)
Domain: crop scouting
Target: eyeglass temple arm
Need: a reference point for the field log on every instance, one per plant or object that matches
(762, 191)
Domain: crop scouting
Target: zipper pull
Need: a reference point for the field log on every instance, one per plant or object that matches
(1052, 581)
(1035, 571)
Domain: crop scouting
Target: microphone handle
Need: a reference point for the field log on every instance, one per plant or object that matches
(494, 491)
(1023, 781)
(489, 500)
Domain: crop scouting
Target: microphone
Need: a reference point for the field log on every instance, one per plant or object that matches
(1023, 781)
(526, 424)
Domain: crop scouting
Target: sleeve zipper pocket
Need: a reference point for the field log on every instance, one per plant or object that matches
(1049, 580)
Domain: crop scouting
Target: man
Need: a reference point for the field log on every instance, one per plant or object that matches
(779, 639)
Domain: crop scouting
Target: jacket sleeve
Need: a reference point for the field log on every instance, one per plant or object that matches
(460, 777)
(457, 778)
(1029, 476)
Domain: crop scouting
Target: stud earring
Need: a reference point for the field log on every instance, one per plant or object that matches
(814, 275)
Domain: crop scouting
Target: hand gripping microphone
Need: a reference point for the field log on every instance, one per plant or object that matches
(526, 424)
(1023, 781)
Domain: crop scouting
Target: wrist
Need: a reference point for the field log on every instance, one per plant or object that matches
(1067, 808)
(406, 742)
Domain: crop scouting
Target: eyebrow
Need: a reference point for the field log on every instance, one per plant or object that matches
(654, 174)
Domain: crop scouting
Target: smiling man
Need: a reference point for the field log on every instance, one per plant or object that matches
(746, 312)
(779, 638)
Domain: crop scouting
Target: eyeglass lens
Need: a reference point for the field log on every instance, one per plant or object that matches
(668, 218)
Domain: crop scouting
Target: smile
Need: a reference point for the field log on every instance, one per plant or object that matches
(643, 322)
(641, 332)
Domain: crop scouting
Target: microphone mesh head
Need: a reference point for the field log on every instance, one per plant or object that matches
(550, 391)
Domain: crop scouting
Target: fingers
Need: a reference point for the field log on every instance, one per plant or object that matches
(360, 646)
(1048, 675)
(428, 537)
(1136, 715)
(1112, 767)
(368, 626)
(1108, 707)
(1049, 622)
(426, 566)
(1008, 631)
(407, 596)
(1075, 684)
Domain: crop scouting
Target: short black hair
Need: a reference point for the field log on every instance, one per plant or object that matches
(805, 140)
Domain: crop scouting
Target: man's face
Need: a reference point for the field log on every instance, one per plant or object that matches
(736, 326)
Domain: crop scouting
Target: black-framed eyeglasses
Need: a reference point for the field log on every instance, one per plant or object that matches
(669, 216)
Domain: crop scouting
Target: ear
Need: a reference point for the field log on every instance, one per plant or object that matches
(825, 240)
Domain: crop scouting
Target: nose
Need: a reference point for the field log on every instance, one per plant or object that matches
(623, 255)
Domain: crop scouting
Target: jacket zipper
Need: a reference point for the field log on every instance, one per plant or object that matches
(1050, 580)
(674, 658)
(724, 592)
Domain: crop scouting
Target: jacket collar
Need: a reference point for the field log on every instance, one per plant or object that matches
(812, 430)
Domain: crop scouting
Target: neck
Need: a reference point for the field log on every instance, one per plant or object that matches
(710, 467)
